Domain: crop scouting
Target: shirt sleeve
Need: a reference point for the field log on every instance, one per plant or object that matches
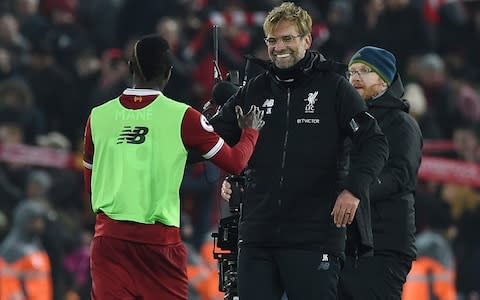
(88, 151)
(199, 135)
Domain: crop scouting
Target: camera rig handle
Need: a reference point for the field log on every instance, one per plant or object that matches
(237, 183)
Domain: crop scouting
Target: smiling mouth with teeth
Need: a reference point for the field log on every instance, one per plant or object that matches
(283, 55)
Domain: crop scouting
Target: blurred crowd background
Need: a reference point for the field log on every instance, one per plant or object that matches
(60, 58)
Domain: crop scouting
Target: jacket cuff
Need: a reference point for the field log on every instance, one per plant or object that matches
(359, 185)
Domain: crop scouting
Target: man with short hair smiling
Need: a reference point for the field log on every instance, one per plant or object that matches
(297, 203)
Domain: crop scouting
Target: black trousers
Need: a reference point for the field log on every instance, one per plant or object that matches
(375, 277)
(266, 273)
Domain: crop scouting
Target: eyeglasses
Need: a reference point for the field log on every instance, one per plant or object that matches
(286, 39)
(360, 73)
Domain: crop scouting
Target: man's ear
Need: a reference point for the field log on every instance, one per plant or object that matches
(308, 40)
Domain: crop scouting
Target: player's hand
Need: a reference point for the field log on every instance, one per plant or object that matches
(252, 119)
(345, 208)
(226, 192)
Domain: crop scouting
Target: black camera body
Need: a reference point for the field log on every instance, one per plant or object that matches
(226, 241)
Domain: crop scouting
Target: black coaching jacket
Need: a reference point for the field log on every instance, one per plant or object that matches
(295, 173)
(392, 194)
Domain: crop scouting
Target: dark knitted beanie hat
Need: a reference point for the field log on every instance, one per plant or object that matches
(379, 60)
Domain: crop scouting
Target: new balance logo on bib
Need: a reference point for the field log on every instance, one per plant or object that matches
(132, 136)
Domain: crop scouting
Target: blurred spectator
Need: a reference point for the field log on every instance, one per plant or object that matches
(431, 74)
(339, 22)
(99, 19)
(24, 264)
(233, 43)
(366, 16)
(25, 8)
(461, 199)
(467, 252)
(114, 75)
(66, 36)
(466, 142)
(58, 237)
(468, 101)
(12, 175)
(405, 39)
(11, 129)
(17, 99)
(66, 192)
(37, 187)
(11, 38)
(58, 102)
(33, 25)
(134, 20)
(235, 39)
(7, 67)
(465, 204)
(258, 50)
(452, 27)
(472, 41)
(87, 73)
(431, 211)
(433, 272)
(418, 109)
(170, 29)
(77, 264)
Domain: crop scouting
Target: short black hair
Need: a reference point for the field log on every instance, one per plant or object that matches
(151, 57)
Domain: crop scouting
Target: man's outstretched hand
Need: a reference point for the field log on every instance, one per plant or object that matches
(253, 119)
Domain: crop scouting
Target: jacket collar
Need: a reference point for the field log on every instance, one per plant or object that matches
(312, 61)
(390, 99)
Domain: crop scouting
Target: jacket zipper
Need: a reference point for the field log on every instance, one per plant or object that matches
(284, 154)
(356, 257)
